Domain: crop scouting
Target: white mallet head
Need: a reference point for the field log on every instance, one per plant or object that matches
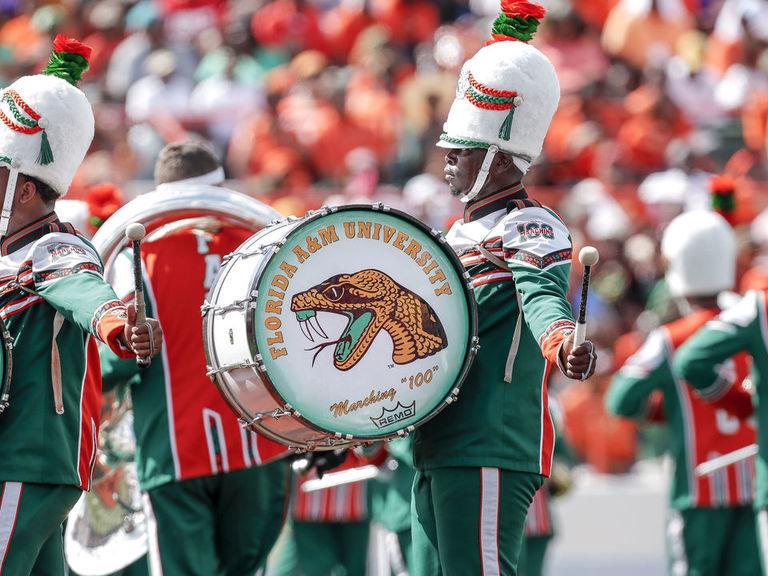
(589, 256)
(135, 231)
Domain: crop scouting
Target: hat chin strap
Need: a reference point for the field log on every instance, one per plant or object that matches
(10, 192)
(482, 174)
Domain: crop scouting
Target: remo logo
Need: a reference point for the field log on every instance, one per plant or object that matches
(362, 321)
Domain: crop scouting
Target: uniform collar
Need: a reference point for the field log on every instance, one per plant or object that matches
(478, 208)
(32, 232)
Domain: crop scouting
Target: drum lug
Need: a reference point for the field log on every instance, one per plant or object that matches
(243, 304)
(380, 206)
(453, 397)
(474, 345)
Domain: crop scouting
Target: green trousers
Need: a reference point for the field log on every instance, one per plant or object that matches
(31, 534)
(703, 541)
(469, 520)
(222, 525)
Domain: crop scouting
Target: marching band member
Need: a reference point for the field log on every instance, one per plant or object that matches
(710, 527)
(56, 306)
(214, 499)
(329, 527)
(480, 461)
(703, 360)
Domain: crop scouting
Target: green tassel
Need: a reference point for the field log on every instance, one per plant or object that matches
(46, 154)
(505, 131)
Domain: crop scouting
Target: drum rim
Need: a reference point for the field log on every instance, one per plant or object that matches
(211, 357)
(333, 438)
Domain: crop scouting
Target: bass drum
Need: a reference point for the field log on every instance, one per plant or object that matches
(349, 325)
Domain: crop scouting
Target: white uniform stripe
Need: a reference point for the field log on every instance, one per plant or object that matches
(150, 295)
(212, 422)
(9, 509)
(762, 535)
(676, 544)
(245, 442)
(11, 309)
(155, 560)
(763, 313)
(255, 447)
(489, 521)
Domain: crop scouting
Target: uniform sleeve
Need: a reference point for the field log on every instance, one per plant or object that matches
(648, 369)
(703, 360)
(67, 274)
(537, 247)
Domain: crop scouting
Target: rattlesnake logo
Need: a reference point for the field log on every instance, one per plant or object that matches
(373, 302)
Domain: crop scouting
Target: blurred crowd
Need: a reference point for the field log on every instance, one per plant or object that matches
(664, 107)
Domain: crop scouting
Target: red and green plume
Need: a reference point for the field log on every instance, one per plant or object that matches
(69, 59)
(519, 20)
(723, 189)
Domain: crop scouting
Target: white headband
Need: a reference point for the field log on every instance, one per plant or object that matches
(213, 178)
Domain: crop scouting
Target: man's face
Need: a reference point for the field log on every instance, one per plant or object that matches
(461, 168)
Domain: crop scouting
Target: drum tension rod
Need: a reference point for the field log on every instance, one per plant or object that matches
(236, 305)
(276, 413)
(228, 367)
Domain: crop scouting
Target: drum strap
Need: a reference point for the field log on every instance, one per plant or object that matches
(492, 257)
(56, 381)
(58, 401)
(518, 326)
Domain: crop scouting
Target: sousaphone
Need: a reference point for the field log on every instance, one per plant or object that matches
(106, 530)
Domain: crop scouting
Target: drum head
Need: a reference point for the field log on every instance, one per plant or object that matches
(364, 322)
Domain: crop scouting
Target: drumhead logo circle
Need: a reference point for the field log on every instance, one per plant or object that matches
(382, 293)
(372, 302)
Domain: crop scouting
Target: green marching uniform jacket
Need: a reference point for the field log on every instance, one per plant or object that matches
(56, 307)
(501, 418)
(701, 359)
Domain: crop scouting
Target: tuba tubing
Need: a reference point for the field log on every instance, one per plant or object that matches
(176, 202)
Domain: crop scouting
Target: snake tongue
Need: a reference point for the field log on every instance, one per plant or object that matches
(351, 335)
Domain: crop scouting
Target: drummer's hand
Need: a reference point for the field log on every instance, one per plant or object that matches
(579, 361)
(146, 339)
(325, 460)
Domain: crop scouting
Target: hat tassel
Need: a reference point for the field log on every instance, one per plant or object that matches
(505, 131)
(46, 154)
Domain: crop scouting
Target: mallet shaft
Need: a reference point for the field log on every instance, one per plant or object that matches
(135, 232)
(581, 323)
(588, 256)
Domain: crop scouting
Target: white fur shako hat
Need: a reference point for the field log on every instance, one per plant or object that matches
(47, 122)
(508, 92)
(700, 248)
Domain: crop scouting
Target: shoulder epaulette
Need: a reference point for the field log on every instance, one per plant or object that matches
(520, 203)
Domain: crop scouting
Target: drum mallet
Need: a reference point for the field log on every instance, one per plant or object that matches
(135, 233)
(588, 256)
